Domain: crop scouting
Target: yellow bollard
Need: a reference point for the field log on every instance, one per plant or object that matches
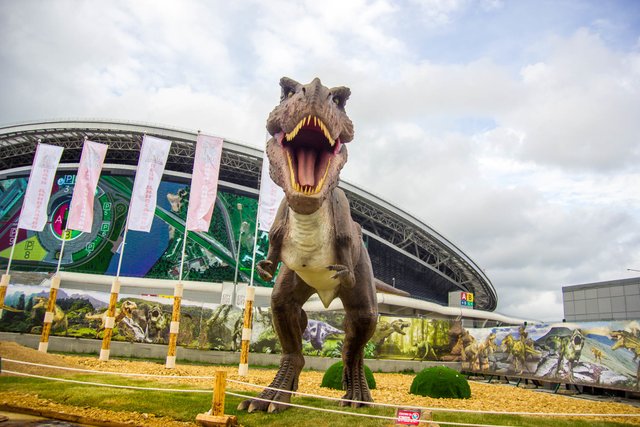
(4, 284)
(49, 314)
(109, 324)
(174, 327)
(243, 367)
(216, 417)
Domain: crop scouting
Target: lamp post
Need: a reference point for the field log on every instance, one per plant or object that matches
(633, 269)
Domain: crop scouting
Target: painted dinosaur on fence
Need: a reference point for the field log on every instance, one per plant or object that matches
(60, 320)
(314, 237)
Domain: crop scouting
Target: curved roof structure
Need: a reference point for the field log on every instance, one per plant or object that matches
(448, 267)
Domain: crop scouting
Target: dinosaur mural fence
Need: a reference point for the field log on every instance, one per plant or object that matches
(599, 354)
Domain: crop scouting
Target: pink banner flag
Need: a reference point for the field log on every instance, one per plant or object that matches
(270, 197)
(33, 215)
(204, 182)
(153, 157)
(81, 208)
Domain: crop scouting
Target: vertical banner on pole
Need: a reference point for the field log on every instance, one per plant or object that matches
(33, 215)
(80, 218)
(81, 207)
(270, 197)
(202, 198)
(204, 182)
(153, 157)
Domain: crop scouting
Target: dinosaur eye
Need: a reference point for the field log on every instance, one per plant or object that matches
(286, 93)
(338, 101)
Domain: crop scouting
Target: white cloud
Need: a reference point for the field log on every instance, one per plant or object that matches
(532, 167)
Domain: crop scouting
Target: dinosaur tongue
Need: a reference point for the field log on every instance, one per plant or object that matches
(306, 166)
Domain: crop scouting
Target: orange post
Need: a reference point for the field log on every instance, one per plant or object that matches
(4, 284)
(243, 368)
(174, 328)
(109, 323)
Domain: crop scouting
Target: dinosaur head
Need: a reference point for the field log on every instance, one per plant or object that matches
(306, 153)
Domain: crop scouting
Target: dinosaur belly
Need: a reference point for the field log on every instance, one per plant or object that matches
(309, 248)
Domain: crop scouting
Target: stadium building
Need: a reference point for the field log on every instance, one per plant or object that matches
(405, 252)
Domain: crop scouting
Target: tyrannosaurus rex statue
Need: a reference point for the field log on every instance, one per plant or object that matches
(314, 237)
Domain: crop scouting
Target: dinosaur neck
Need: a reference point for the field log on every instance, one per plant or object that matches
(310, 231)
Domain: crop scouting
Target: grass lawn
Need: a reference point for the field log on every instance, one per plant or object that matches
(185, 406)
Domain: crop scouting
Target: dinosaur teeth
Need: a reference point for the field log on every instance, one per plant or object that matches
(307, 121)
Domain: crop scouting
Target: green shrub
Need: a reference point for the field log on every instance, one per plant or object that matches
(441, 382)
(333, 377)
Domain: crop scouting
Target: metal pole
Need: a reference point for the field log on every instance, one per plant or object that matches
(235, 277)
(51, 303)
(178, 290)
(13, 248)
(109, 322)
(6, 278)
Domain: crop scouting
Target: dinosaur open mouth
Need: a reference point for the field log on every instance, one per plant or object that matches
(309, 149)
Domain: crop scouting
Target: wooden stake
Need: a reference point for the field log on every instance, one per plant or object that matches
(216, 417)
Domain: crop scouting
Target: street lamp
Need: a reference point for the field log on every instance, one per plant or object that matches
(633, 269)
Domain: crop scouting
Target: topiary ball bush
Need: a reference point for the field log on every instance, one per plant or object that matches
(441, 382)
(333, 377)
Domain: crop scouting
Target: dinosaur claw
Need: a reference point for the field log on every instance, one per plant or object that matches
(275, 408)
(243, 405)
(342, 273)
(265, 270)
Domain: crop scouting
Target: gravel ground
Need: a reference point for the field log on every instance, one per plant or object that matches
(392, 388)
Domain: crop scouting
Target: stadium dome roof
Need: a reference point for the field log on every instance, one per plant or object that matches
(451, 268)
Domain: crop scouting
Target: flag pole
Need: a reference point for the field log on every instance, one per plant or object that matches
(178, 290)
(6, 278)
(243, 367)
(51, 303)
(109, 321)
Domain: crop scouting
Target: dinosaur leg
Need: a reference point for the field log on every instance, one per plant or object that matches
(359, 325)
(289, 321)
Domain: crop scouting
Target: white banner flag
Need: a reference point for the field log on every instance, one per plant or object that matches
(81, 208)
(204, 182)
(270, 197)
(33, 215)
(153, 157)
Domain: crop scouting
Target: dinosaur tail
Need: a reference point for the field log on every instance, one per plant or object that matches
(388, 289)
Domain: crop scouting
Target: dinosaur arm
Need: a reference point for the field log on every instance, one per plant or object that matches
(348, 238)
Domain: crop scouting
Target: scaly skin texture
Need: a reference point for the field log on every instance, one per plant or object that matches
(314, 237)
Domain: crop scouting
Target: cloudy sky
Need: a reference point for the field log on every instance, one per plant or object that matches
(511, 127)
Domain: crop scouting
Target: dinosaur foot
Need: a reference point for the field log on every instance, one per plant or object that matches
(355, 383)
(286, 380)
